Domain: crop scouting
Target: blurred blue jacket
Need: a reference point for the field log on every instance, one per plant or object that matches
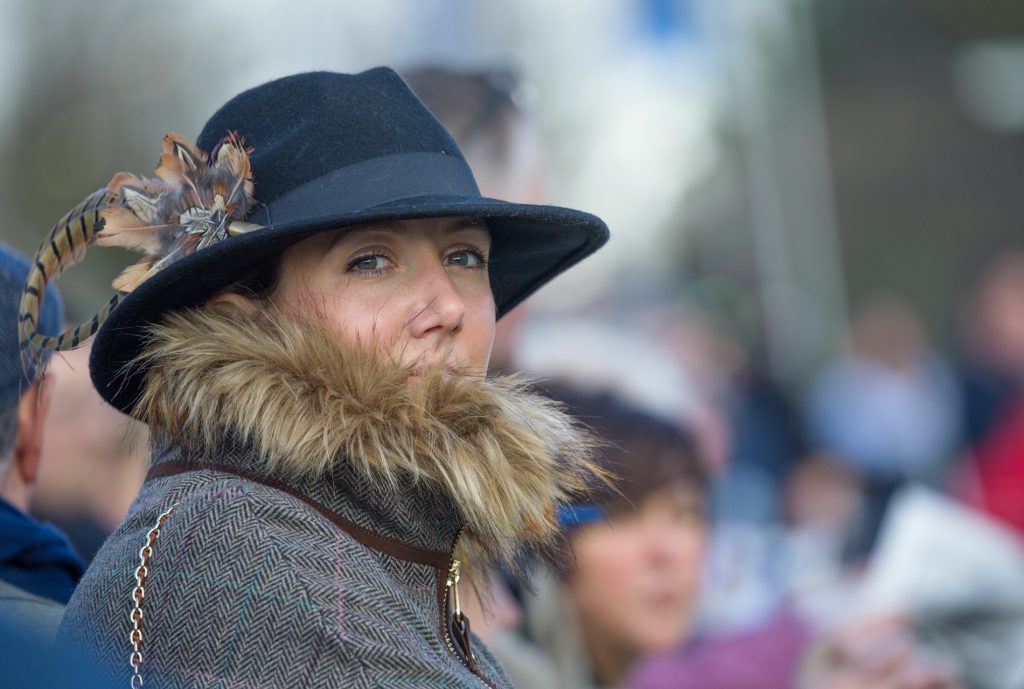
(36, 557)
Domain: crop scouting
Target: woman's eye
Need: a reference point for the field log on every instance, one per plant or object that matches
(465, 258)
(691, 514)
(368, 264)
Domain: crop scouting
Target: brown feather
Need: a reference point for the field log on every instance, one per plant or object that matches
(133, 276)
(123, 228)
(188, 205)
(172, 168)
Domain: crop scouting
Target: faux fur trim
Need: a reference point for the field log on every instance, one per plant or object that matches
(505, 456)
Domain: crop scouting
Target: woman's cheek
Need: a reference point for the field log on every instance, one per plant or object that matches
(363, 323)
(607, 567)
(478, 328)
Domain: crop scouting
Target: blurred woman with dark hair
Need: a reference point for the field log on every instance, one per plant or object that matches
(630, 581)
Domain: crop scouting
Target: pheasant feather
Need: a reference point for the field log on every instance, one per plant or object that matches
(189, 205)
(195, 200)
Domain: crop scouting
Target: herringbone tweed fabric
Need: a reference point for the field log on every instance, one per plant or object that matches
(252, 587)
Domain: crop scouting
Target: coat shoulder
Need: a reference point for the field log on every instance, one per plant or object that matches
(249, 585)
(243, 583)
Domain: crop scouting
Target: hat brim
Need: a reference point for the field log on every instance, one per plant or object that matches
(530, 245)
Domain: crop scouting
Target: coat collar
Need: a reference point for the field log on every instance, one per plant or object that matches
(343, 427)
(419, 528)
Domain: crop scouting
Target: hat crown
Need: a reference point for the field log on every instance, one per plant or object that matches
(307, 126)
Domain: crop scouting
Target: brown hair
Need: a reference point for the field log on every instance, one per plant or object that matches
(645, 453)
(259, 284)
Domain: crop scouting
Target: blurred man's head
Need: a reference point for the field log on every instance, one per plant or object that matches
(994, 324)
(23, 388)
(479, 109)
(637, 556)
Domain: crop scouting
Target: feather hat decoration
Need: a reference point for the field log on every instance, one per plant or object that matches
(195, 200)
(190, 204)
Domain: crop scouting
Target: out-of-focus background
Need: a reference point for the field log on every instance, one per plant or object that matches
(816, 264)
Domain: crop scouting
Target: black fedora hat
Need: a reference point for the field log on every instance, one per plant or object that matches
(330, 151)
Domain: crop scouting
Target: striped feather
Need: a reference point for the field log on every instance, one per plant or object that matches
(64, 246)
(188, 205)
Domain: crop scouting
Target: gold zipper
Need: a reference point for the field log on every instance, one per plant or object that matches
(451, 589)
(454, 567)
(454, 573)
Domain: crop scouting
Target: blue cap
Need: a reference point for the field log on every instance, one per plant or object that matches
(572, 516)
(14, 377)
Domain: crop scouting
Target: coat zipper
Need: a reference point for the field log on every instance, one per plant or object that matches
(451, 592)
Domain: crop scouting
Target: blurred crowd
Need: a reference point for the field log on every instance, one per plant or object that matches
(861, 528)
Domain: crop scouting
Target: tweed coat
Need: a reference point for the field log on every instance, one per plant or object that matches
(318, 499)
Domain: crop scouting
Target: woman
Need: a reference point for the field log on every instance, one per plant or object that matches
(631, 586)
(313, 378)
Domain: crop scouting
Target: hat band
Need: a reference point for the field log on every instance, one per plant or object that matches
(370, 183)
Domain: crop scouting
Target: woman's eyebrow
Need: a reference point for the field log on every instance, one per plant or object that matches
(457, 225)
(339, 235)
(467, 223)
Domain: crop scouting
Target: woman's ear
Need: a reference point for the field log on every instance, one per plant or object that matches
(233, 301)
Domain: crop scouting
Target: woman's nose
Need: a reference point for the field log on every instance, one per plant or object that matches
(438, 307)
(668, 543)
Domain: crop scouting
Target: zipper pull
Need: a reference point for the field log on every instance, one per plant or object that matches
(454, 573)
(460, 623)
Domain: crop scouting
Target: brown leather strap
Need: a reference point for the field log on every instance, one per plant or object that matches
(371, 539)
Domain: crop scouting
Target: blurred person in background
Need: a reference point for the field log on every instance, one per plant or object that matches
(991, 477)
(94, 460)
(823, 507)
(633, 558)
(750, 439)
(990, 364)
(38, 567)
(761, 438)
(889, 407)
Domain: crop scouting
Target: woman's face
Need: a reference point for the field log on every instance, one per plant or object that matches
(416, 289)
(636, 575)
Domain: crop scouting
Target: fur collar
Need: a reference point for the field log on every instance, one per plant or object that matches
(506, 457)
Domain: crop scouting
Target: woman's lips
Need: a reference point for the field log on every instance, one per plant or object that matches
(445, 370)
(664, 599)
